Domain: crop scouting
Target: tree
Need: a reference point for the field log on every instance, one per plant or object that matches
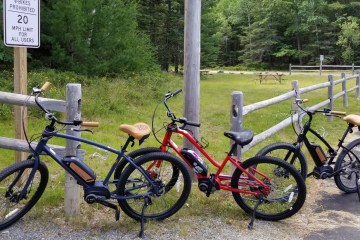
(210, 34)
(94, 37)
(349, 38)
(163, 22)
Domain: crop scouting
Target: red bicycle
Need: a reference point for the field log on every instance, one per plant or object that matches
(268, 188)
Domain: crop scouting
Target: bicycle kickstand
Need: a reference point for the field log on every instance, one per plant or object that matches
(147, 202)
(251, 224)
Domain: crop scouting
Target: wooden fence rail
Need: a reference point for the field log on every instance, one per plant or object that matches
(320, 68)
(238, 110)
(71, 107)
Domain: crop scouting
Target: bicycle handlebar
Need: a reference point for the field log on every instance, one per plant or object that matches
(171, 115)
(177, 92)
(326, 111)
(90, 124)
(50, 116)
(45, 86)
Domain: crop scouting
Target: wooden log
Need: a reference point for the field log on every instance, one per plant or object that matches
(252, 107)
(23, 146)
(23, 100)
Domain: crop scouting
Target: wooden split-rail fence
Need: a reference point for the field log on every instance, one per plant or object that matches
(71, 106)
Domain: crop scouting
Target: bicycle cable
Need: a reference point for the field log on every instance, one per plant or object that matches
(23, 126)
(152, 123)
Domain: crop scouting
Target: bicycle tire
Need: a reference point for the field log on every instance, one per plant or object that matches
(138, 153)
(133, 155)
(285, 151)
(288, 189)
(346, 179)
(166, 203)
(11, 210)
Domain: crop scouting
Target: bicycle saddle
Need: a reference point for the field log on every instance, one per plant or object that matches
(352, 118)
(139, 131)
(242, 138)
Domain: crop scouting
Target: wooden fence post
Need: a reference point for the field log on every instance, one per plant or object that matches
(73, 111)
(297, 124)
(345, 98)
(358, 85)
(236, 114)
(331, 94)
(20, 86)
(290, 69)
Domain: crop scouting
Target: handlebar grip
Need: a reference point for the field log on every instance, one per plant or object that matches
(90, 124)
(305, 100)
(177, 92)
(45, 86)
(338, 113)
(193, 124)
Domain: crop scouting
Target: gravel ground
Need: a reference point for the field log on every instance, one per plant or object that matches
(312, 218)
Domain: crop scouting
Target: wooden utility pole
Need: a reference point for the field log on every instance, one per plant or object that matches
(73, 111)
(20, 87)
(192, 64)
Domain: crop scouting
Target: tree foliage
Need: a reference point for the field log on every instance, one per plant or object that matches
(103, 37)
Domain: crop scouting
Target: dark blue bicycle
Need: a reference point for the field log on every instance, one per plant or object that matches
(139, 192)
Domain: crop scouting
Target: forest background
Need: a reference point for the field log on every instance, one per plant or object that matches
(125, 37)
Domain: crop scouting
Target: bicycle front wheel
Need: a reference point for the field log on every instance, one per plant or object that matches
(12, 182)
(288, 190)
(349, 162)
(164, 203)
(286, 151)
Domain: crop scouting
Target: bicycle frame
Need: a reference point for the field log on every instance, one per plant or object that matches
(43, 147)
(302, 137)
(221, 179)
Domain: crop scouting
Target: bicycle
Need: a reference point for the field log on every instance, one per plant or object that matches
(138, 191)
(265, 187)
(346, 171)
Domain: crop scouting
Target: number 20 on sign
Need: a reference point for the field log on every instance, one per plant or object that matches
(22, 23)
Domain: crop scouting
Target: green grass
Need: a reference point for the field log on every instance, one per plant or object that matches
(116, 101)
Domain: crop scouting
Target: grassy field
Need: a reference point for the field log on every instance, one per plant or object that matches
(133, 100)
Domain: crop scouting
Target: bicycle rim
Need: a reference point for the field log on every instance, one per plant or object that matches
(349, 162)
(163, 204)
(288, 190)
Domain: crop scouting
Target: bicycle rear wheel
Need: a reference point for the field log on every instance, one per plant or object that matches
(168, 200)
(288, 190)
(12, 181)
(349, 162)
(286, 151)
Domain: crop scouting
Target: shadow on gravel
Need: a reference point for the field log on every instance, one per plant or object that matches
(339, 202)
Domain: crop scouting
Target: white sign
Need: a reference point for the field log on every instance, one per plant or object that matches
(321, 58)
(22, 23)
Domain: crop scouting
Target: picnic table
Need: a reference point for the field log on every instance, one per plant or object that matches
(269, 76)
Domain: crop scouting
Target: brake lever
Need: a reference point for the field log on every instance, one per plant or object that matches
(82, 130)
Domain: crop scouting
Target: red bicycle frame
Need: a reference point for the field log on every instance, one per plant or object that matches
(222, 180)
